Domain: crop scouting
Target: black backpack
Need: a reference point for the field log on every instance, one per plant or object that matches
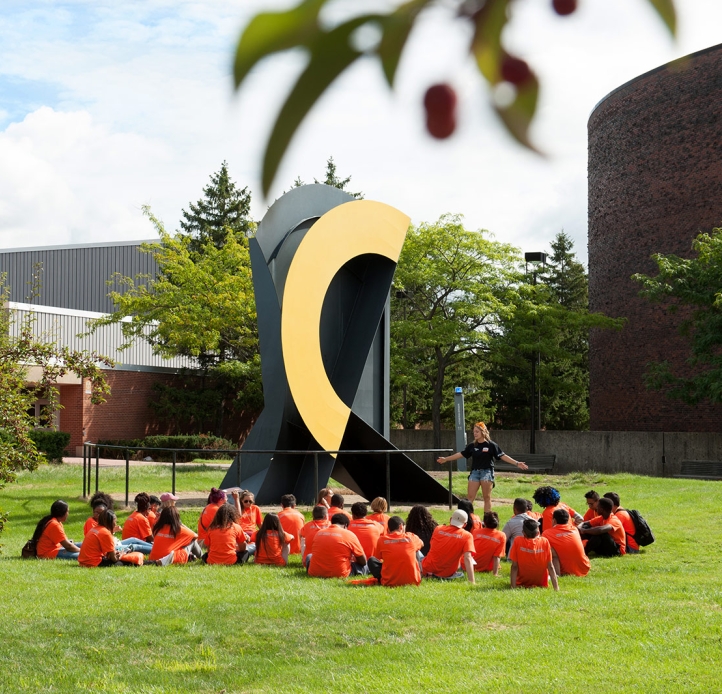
(643, 534)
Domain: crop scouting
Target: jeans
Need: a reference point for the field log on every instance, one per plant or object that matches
(133, 544)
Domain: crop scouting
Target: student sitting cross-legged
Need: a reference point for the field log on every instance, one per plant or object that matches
(531, 559)
(489, 544)
(398, 556)
(336, 551)
(174, 542)
(567, 548)
(450, 545)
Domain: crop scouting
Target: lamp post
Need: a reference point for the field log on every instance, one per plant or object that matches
(536, 259)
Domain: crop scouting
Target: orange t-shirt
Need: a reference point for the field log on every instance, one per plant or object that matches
(251, 519)
(368, 533)
(152, 518)
(548, 514)
(164, 543)
(628, 525)
(448, 546)
(532, 557)
(292, 521)
(617, 533)
(567, 543)
(89, 525)
(49, 543)
(207, 516)
(137, 526)
(269, 551)
(308, 532)
(380, 518)
(333, 548)
(591, 513)
(487, 545)
(223, 544)
(397, 551)
(336, 509)
(97, 543)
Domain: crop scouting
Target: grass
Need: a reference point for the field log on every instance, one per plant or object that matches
(646, 623)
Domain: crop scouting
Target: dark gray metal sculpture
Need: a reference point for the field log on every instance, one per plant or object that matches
(353, 332)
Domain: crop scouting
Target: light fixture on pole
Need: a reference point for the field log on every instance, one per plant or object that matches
(536, 259)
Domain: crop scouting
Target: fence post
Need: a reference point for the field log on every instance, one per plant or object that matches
(174, 461)
(315, 476)
(97, 467)
(388, 480)
(84, 452)
(127, 477)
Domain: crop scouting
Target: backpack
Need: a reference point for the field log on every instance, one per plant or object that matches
(643, 534)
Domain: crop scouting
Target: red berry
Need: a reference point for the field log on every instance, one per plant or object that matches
(440, 105)
(564, 7)
(515, 70)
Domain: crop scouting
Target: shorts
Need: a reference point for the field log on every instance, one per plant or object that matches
(482, 475)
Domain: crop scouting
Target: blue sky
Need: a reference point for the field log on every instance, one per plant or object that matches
(106, 106)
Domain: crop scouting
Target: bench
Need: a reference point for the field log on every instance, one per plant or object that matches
(537, 462)
(701, 470)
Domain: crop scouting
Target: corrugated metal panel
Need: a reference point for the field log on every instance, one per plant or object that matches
(63, 330)
(74, 277)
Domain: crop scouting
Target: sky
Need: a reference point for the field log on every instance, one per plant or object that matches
(106, 107)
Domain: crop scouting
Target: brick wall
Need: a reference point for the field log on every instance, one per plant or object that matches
(655, 182)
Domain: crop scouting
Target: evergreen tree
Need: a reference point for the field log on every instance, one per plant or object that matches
(223, 209)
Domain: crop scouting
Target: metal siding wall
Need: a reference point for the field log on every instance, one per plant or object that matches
(64, 330)
(74, 277)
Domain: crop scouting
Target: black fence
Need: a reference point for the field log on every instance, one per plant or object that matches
(88, 463)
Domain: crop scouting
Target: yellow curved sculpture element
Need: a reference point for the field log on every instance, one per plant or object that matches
(345, 232)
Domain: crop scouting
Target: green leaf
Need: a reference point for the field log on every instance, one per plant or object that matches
(396, 29)
(517, 117)
(271, 32)
(331, 54)
(665, 9)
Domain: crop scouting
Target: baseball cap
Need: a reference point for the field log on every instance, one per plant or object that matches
(168, 497)
(459, 518)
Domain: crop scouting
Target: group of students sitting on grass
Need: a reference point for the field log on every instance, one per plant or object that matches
(374, 548)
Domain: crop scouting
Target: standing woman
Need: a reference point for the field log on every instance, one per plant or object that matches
(483, 452)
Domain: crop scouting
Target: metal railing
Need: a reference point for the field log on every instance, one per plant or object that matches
(88, 465)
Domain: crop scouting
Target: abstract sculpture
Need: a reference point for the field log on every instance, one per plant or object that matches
(322, 267)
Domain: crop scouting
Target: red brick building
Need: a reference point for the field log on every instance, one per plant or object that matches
(655, 182)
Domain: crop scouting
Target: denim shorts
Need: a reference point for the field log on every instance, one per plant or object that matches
(482, 475)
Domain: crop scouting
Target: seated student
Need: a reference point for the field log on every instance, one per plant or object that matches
(173, 542)
(367, 531)
(137, 524)
(567, 548)
(627, 522)
(153, 510)
(591, 497)
(251, 517)
(422, 524)
(336, 551)
(226, 541)
(216, 499)
(50, 538)
(468, 508)
(450, 545)
(513, 527)
(549, 499)
(99, 547)
(398, 557)
(379, 508)
(605, 533)
(319, 521)
(272, 542)
(489, 544)
(337, 502)
(531, 559)
(292, 521)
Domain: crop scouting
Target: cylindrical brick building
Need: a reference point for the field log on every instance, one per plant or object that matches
(655, 182)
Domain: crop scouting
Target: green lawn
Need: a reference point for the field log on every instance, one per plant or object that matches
(647, 623)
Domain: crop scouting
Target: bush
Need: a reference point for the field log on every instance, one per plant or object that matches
(52, 443)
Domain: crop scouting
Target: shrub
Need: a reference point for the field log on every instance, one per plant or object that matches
(52, 443)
